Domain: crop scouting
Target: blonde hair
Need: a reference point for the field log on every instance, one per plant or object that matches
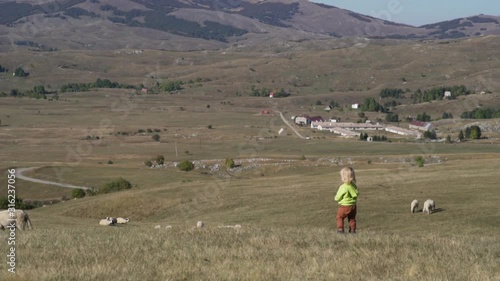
(347, 174)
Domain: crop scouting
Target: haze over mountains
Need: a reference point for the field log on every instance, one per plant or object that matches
(203, 24)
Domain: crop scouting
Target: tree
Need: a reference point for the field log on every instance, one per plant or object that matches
(19, 72)
(3, 69)
(78, 193)
(229, 163)
(420, 161)
(116, 185)
(424, 117)
(475, 132)
(448, 139)
(186, 166)
(392, 117)
(160, 160)
(461, 136)
(430, 135)
(156, 137)
(447, 115)
(370, 104)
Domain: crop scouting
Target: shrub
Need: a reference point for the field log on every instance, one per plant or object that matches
(91, 192)
(156, 137)
(110, 162)
(160, 159)
(78, 193)
(209, 126)
(19, 204)
(116, 185)
(229, 163)
(420, 161)
(186, 166)
(461, 136)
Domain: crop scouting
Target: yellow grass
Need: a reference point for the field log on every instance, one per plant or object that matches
(284, 204)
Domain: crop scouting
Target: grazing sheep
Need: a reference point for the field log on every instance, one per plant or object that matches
(200, 224)
(429, 206)
(414, 206)
(168, 226)
(106, 222)
(21, 217)
(122, 220)
(157, 227)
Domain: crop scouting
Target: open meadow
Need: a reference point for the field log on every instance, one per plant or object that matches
(281, 193)
(282, 187)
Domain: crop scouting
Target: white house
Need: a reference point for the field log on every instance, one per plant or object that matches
(447, 94)
(302, 120)
(355, 106)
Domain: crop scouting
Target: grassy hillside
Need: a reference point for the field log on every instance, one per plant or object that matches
(281, 191)
(345, 75)
(288, 230)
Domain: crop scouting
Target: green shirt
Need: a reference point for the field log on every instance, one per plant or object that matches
(347, 194)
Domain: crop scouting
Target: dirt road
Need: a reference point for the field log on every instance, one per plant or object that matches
(290, 126)
(19, 175)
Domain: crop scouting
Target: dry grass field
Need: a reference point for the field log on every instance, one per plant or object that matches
(281, 192)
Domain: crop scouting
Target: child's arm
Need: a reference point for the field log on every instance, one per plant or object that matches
(340, 193)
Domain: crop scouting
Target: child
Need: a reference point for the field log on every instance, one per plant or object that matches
(346, 197)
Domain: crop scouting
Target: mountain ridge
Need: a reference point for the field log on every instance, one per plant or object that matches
(204, 24)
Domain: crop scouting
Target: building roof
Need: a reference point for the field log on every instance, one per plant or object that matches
(327, 125)
(316, 118)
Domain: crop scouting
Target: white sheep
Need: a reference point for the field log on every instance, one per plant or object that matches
(200, 224)
(429, 206)
(157, 227)
(414, 206)
(106, 222)
(122, 220)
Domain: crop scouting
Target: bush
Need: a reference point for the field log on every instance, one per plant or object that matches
(229, 163)
(156, 137)
(420, 161)
(78, 193)
(160, 159)
(110, 162)
(19, 204)
(116, 185)
(186, 166)
(148, 163)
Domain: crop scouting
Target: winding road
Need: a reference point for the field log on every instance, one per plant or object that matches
(19, 175)
(20, 171)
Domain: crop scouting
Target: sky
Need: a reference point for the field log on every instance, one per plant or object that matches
(418, 12)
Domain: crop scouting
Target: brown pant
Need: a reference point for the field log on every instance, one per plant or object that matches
(348, 212)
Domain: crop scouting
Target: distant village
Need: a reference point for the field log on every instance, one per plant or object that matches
(350, 129)
(415, 129)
